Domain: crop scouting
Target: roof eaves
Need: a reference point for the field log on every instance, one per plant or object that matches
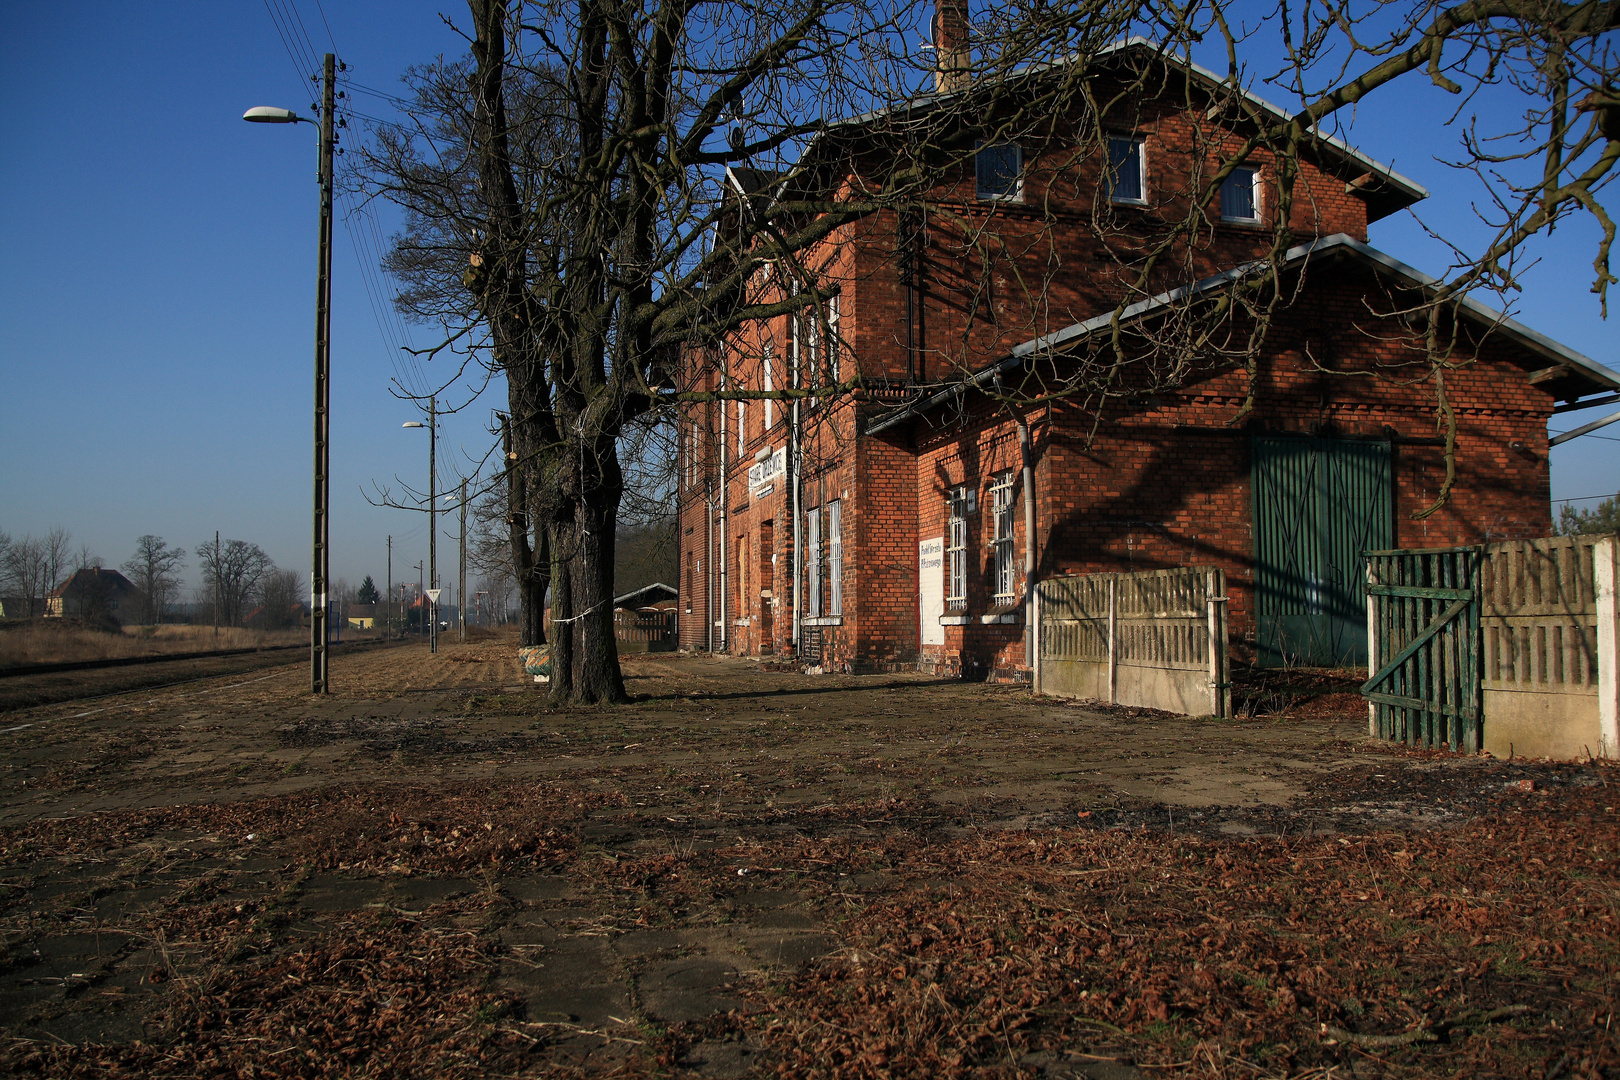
(1481, 313)
(924, 103)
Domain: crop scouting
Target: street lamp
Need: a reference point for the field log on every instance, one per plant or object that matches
(433, 512)
(319, 622)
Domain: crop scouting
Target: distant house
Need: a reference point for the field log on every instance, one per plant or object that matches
(14, 607)
(96, 594)
(363, 616)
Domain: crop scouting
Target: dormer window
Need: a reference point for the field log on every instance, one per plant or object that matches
(1240, 195)
(1126, 180)
(1000, 168)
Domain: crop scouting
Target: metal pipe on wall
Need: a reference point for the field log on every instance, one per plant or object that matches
(1030, 612)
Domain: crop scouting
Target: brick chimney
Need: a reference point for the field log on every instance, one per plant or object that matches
(953, 51)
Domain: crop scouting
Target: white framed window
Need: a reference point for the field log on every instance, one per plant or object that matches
(835, 557)
(812, 562)
(1001, 503)
(768, 375)
(742, 426)
(1127, 173)
(829, 347)
(999, 171)
(1240, 195)
(956, 548)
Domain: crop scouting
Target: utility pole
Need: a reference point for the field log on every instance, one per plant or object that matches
(433, 516)
(461, 586)
(420, 594)
(320, 624)
(388, 591)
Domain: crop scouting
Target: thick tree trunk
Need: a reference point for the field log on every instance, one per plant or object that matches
(531, 564)
(585, 655)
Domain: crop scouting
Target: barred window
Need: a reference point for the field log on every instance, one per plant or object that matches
(835, 556)
(956, 550)
(998, 169)
(812, 563)
(769, 383)
(1001, 502)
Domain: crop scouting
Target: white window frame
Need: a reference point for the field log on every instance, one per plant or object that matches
(1141, 169)
(768, 376)
(830, 350)
(1017, 194)
(835, 557)
(812, 562)
(1254, 195)
(742, 427)
(1001, 502)
(956, 503)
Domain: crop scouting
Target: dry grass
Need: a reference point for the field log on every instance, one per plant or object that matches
(52, 641)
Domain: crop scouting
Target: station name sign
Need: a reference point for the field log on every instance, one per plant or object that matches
(767, 471)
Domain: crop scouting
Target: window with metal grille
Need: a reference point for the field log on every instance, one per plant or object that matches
(956, 550)
(835, 557)
(812, 563)
(1127, 182)
(769, 384)
(1001, 502)
(1240, 195)
(998, 168)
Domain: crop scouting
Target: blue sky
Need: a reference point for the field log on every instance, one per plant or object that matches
(157, 261)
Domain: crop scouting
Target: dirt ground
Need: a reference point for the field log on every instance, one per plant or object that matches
(431, 873)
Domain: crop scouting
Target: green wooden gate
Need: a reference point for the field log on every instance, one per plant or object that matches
(1318, 505)
(1424, 624)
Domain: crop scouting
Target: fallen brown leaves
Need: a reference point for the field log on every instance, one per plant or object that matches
(1491, 949)
(380, 828)
(1499, 941)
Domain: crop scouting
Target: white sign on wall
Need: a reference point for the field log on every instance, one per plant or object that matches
(931, 589)
(764, 472)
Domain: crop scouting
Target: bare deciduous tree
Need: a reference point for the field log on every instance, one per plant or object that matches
(238, 567)
(153, 570)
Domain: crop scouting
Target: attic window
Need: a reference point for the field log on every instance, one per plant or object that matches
(1240, 195)
(999, 167)
(1126, 180)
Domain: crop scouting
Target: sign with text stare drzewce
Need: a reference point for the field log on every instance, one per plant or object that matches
(764, 472)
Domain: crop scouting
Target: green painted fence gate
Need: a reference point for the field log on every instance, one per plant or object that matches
(1423, 622)
(1319, 503)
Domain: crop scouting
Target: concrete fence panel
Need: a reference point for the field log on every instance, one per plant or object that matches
(1155, 639)
(1547, 647)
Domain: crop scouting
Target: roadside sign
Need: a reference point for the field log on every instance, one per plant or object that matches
(433, 595)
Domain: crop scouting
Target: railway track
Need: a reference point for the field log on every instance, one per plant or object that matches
(54, 684)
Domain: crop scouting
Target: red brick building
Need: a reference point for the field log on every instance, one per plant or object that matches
(904, 524)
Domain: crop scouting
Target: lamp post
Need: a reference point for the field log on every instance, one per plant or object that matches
(433, 512)
(320, 629)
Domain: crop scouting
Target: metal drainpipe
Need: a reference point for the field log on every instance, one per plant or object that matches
(798, 524)
(1029, 546)
(725, 493)
(708, 577)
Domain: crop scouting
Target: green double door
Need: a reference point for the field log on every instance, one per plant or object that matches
(1319, 505)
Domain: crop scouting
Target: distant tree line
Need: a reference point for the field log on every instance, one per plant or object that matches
(238, 583)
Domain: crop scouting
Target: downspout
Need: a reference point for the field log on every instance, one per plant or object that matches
(725, 494)
(1030, 610)
(708, 578)
(798, 523)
